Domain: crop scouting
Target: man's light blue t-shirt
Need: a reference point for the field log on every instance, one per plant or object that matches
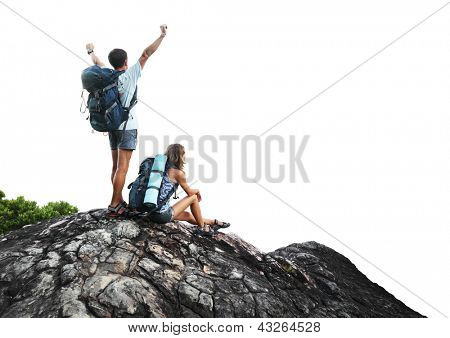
(127, 86)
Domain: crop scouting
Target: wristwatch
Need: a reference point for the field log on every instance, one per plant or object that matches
(90, 51)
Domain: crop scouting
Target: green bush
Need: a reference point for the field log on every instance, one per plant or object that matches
(16, 213)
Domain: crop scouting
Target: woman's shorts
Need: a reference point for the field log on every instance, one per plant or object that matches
(162, 218)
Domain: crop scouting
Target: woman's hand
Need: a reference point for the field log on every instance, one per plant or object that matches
(193, 192)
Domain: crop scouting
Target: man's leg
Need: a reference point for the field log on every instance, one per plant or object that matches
(124, 156)
(114, 154)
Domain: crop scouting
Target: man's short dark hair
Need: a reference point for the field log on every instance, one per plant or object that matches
(117, 57)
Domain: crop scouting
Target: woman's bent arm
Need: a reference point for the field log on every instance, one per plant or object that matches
(181, 179)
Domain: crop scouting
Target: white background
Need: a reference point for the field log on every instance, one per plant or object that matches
(329, 327)
(378, 155)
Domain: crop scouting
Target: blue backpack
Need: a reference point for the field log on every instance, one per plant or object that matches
(145, 194)
(106, 112)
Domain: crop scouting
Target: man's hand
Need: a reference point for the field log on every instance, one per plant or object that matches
(163, 30)
(89, 46)
(94, 58)
(153, 47)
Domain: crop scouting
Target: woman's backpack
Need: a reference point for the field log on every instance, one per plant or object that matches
(105, 109)
(148, 191)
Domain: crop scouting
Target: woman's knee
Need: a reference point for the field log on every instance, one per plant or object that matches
(194, 199)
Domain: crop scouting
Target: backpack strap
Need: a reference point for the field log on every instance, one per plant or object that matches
(115, 78)
(132, 103)
(114, 84)
(134, 100)
(170, 165)
(118, 73)
(124, 128)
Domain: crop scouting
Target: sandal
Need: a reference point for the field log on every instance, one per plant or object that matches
(120, 210)
(216, 226)
(207, 233)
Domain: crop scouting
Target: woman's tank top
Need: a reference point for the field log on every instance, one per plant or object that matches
(168, 188)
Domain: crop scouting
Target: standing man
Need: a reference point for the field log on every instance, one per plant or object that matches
(123, 142)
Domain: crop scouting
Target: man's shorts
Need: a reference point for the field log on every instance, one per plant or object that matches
(123, 139)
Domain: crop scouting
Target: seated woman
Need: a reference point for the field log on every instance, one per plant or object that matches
(175, 176)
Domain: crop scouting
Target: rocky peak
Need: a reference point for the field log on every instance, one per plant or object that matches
(86, 265)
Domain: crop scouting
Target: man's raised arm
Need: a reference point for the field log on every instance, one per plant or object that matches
(94, 58)
(153, 47)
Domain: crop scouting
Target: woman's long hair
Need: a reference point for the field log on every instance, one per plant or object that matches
(175, 154)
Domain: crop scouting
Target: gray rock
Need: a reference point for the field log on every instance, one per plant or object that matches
(126, 229)
(98, 309)
(205, 305)
(188, 295)
(72, 246)
(51, 262)
(95, 285)
(119, 295)
(75, 308)
(87, 265)
(88, 252)
(68, 273)
(200, 283)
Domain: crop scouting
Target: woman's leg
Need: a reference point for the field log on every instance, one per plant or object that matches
(188, 217)
(193, 203)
